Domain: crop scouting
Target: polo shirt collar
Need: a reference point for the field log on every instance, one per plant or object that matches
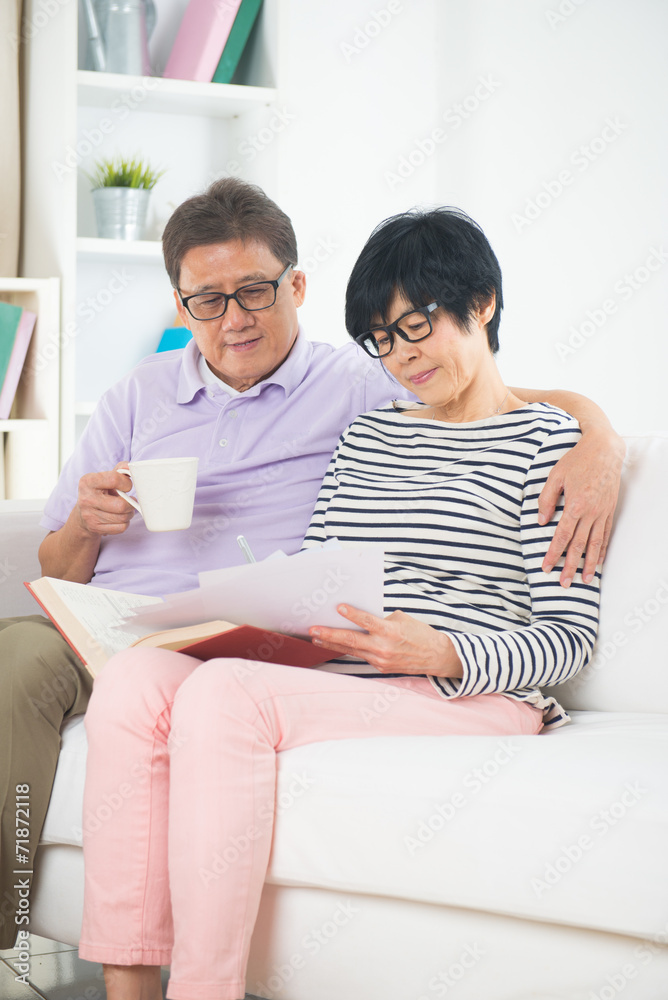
(289, 375)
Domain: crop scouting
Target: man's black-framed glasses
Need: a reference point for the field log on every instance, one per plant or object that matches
(252, 298)
(412, 326)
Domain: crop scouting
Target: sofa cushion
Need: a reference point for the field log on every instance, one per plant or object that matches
(62, 824)
(569, 827)
(627, 672)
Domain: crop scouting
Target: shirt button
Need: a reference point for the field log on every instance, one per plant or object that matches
(222, 442)
(211, 391)
(233, 414)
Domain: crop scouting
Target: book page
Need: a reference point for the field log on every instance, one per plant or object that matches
(174, 638)
(101, 611)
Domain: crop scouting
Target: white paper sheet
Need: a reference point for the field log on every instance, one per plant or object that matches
(286, 595)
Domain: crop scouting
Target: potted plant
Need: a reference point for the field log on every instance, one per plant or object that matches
(121, 192)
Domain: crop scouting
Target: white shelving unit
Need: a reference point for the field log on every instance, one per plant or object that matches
(30, 439)
(211, 100)
(90, 248)
(116, 297)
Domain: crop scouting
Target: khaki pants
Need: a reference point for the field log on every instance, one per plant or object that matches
(42, 682)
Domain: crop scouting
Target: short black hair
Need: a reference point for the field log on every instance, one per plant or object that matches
(229, 209)
(436, 254)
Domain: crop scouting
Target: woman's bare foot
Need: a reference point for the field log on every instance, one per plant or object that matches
(132, 982)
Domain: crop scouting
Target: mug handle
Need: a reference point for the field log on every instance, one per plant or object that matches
(130, 500)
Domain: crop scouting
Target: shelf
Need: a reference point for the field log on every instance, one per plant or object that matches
(89, 248)
(176, 97)
(82, 114)
(31, 440)
(22, 424)
(24, 285)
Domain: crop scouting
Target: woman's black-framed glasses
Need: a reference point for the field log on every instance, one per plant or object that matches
(412, 326)
(252, 298)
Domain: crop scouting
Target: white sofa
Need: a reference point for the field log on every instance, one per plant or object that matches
(532, 868)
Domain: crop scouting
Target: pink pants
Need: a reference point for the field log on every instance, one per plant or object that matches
(182, 759)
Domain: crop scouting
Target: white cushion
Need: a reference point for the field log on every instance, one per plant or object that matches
(569, 827)
(628, 671)
(62, 824)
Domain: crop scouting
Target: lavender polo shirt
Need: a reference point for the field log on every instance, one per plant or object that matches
(262, 456)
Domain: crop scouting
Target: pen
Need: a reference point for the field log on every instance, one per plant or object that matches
(246, 549)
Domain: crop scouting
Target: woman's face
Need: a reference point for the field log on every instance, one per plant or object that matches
(448, 369)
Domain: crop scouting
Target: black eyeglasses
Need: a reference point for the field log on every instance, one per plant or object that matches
(412, 326)
(252, 298)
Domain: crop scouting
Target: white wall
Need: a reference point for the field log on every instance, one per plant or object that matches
(514, 89)
(556, 72)
(359, 78)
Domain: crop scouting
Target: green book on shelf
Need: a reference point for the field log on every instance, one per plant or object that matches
(10, 320)
(236, 40)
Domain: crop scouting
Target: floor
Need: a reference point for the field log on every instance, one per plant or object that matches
(56, 973)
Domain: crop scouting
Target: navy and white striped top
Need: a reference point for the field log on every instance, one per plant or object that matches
(455, 508)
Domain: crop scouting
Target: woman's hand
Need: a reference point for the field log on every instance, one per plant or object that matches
(589, 477)
(398, 644)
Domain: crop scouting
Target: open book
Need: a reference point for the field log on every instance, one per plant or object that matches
(95, 624)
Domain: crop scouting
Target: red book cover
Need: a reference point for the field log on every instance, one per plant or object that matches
(250, 643)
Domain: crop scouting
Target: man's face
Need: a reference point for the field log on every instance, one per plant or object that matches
(241, 347)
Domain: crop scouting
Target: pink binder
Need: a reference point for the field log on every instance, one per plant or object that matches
(201, 39)
(16, 359)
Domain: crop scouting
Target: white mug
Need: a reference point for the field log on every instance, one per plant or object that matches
(165, 489)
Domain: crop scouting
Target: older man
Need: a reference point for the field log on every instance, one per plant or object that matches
(263, 408)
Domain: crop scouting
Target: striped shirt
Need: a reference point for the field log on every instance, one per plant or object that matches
(455, 508)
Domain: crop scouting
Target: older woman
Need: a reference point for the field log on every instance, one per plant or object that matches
(473, 627)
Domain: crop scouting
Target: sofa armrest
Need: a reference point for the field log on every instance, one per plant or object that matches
(20, 537)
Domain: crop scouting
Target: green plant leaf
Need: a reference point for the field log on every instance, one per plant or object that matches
(121, 172)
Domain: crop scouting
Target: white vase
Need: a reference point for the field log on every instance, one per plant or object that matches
(120, 212)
